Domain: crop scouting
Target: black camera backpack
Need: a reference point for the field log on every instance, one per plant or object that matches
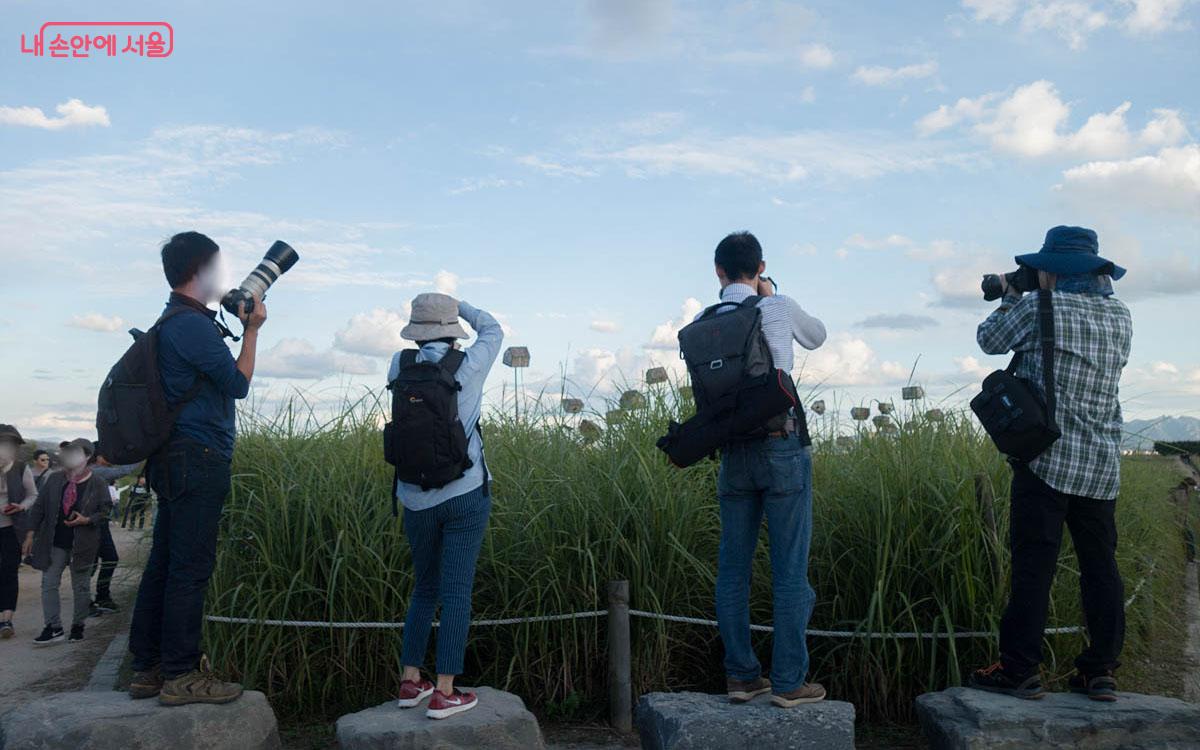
(133, 418)
(739, 393)
(425, 440)
(1010, 409)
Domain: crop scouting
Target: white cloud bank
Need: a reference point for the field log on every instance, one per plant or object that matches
(879, 75)
(95, 321)
(1075, 20)
(71, 114)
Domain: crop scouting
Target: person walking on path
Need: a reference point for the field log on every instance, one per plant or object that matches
(444, 524)
(1076, 480)
(18, 492)
(65, 533)
(191, 475)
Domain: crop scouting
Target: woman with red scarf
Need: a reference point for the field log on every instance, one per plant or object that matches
(64, 532)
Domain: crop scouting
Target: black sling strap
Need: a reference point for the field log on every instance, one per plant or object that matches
(1046, 343)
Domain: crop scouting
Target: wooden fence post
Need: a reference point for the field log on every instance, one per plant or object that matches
(620, 657)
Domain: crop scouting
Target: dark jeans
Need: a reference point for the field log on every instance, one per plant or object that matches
(1038, 513)
(191, 481)
(445, 541)
(10, 560)
(106, 561)
(771, 478)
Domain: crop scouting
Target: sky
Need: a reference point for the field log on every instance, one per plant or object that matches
(570, 167)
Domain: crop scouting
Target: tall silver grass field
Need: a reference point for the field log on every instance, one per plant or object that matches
(900, 544)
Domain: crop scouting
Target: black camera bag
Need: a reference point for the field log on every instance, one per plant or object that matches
(1010, 409)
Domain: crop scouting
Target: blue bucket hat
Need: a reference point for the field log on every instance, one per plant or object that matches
(1068, 251)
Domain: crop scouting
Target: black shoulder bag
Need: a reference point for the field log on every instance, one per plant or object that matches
(1009, 408)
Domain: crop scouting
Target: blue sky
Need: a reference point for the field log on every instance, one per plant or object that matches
(570, 166)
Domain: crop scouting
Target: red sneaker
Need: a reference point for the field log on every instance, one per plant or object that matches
(443, 706)
(412, 693)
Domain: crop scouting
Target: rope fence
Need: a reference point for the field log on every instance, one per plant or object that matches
(595, 613)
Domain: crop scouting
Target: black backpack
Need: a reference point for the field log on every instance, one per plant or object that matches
(739, 393)
(426, 440)
(133, 419)
(1012, 413)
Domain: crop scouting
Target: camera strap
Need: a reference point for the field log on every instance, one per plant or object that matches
(1046, 344)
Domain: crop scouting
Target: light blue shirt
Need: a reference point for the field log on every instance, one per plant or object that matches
(471, 375)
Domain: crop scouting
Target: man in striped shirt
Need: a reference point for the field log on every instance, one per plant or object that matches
(1076, 480)
(769, 476)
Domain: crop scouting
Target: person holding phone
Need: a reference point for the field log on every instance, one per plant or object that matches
(65, 533)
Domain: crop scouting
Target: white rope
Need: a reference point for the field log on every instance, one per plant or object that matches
(902, 635)
(398, 625)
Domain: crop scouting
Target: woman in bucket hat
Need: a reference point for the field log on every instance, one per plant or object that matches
(1076, 480)
(17, 494)
(444, 524)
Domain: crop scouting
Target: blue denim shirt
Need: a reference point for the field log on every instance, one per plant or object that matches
(471, 375)
(189, 346)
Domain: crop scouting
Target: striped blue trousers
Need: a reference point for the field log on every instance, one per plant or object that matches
(445, 542)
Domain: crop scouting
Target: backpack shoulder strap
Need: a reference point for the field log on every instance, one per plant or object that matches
(452, 361)
(1046, 330)
(408, 357)
(751, 301)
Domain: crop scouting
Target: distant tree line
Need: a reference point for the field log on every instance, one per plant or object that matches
(1176, 447)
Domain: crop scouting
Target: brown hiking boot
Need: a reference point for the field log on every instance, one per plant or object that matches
(809, 692)
(741, 691)
(198, 686)
(146, 684)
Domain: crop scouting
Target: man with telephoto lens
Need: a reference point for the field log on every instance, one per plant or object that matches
(768, 474)
(191, 477)
(1076, 480)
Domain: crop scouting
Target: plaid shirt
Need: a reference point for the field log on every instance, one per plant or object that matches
(1092, 335)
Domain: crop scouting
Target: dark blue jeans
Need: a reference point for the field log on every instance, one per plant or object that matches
(445, 541)
(771, 477)
(191, 481)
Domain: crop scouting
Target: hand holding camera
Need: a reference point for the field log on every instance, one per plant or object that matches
(252, 313)
(995, 286)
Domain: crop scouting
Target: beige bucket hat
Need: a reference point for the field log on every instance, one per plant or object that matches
(434, 316)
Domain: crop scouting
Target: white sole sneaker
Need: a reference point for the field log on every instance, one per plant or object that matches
(446, 713)
(51, 642)
(414, 702)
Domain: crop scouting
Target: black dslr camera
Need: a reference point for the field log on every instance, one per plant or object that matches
(1024, 279)
(279, 258)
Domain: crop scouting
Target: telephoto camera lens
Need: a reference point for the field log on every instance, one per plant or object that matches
(279, 258)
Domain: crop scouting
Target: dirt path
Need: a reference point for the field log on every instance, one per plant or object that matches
(27, 671)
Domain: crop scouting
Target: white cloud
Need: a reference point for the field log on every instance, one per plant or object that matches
(997, 11)
(604, 326)
(816, 56)
(1032, 122)
(94, 321)
(1070, 19)
(969, 365)
(848, 360)
(879, 75)
(1154, 16)
(445, 282)
(892, 240)
(780, 158)
(1166, 181)
(1163, 368)
(71, 113)
(475, 184)
(298, 359)
(554, 169)
(1075, 20)
(373, 333)
(594, 366)
(666, 335)
(808, 95)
